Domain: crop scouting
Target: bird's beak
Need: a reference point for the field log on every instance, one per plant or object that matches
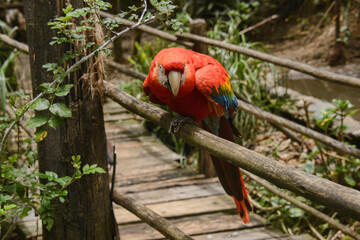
(174, 80)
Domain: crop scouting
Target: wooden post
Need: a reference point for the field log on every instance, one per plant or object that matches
(198, 27)
(336, 55)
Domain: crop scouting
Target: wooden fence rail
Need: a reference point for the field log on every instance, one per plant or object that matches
(335, 196)
(298, 66)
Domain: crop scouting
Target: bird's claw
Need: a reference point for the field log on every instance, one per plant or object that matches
(178, 122)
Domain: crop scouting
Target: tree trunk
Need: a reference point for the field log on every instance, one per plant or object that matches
(87, 212)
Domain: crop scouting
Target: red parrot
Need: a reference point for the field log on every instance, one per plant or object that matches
(196, 85)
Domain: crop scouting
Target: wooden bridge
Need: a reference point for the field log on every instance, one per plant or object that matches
(149, 172)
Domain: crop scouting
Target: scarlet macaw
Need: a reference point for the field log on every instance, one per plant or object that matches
(198, 86)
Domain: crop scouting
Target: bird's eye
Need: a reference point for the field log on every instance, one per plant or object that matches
(162, 77)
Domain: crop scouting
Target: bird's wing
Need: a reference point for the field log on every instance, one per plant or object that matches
(214, 83)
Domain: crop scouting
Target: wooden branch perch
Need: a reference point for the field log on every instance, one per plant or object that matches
(298, 66)
(164, 226)
(319, 190)
(305, 207)
(272, 118)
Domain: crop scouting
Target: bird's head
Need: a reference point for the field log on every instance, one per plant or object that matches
(174, 72)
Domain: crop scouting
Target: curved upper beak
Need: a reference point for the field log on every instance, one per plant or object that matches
(174, 80)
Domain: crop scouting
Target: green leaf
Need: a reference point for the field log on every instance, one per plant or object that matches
(50, 66)
(133, 8)
(40, 134)
(37, 121)
(40, 104)
(51, 175)
(78, 174)
(122, 14)
(55, 121)
(69, 8)
(63, 181)
(99, 170)
(86, 168)
(350, 180)
(50, 223)
(93, 166)
(60, 109)
(24, 212)
(20, 190)
(352, 112)
(41, 175)
(9, 206)
(163, 6)
(296, 212)
(63, 193)
(63, 90)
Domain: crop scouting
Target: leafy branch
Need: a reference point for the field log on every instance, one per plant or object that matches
(22, 191)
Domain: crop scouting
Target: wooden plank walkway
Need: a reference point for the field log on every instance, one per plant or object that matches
(149, 172)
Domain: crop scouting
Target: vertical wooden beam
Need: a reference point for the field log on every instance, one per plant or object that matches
(337, 52)
(198, 27)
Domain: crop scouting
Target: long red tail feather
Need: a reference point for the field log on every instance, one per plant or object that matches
(230, 175)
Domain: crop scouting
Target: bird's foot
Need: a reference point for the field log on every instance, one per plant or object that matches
(178, 122)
